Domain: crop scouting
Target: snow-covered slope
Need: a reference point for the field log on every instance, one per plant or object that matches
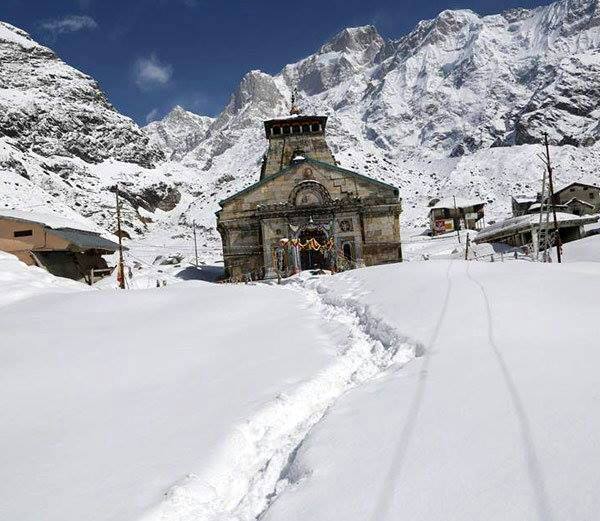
(51, 109)
(492, 422)
(19, 281)
(428, 390)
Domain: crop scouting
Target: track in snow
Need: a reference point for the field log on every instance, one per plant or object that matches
(255, 466)
(536, 476)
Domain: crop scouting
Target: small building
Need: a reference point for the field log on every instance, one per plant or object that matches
(306, 212)
(522, 203)
(581, 197)
(62, 247)
(456, 213)
(579, 207)
(523, 230)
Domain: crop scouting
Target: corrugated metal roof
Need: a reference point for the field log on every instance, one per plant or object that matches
(522, 223)
(85, 240)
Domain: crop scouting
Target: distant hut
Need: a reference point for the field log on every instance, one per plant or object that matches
(456, 213)
(63, 247)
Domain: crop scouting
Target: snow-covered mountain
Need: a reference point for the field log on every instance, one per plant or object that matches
(458, 83)
(178, 132)
(448, 108)
(457, 106)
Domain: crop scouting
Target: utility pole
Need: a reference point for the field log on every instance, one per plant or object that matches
(195, 242)
(551, 199)
(456, 212)
(539, 233)
(467, 248)
(120, 269)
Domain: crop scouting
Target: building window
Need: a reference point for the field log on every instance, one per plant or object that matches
(286, 130)
(296, 129)
(276, 131)
(315, 127)
(23, 233)
(306, 127)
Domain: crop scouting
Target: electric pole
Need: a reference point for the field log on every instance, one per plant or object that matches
(195, 242)
(120, 268)
(454, 219)
(551, 197)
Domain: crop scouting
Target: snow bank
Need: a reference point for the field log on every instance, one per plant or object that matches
(583, 250)
(19, 281)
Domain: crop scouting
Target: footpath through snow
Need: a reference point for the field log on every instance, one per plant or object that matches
(233, 403)
(185, 402)
(255, 465)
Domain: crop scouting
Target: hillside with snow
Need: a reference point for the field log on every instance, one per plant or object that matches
(455, 107)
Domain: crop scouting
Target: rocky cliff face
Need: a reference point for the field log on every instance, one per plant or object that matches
(179, 132)
(63, 146)
(51, 109)
(456, 84)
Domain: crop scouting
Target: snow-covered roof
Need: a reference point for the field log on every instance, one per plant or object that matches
(536, 206)
(578, 183)
(522, 199)
(456, 202)
(575, 200)
(49, 220)
(525, 222)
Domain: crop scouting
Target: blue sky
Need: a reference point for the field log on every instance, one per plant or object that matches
(150, 55)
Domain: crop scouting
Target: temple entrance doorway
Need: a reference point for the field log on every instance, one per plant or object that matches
(312, 259)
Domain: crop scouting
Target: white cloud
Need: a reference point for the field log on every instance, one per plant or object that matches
(150, 72)
(69, 24)
(152, 115)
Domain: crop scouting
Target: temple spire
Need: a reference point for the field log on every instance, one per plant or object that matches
(294, 108)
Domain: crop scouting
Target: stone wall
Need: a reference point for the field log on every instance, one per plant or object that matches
(282, 149)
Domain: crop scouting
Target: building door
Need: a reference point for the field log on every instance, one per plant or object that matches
(312, 259)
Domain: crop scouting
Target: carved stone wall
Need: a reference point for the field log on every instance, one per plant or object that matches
(356, 211)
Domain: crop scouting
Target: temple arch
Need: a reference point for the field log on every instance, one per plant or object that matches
(309, 193)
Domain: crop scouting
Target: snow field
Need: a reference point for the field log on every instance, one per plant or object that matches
(256, 464)
(115, 396)
(241, 402)
(495, 421)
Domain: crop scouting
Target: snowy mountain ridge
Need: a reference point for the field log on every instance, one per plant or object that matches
(455, 107)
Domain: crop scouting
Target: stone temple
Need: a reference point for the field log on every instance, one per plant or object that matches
(306, 212)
